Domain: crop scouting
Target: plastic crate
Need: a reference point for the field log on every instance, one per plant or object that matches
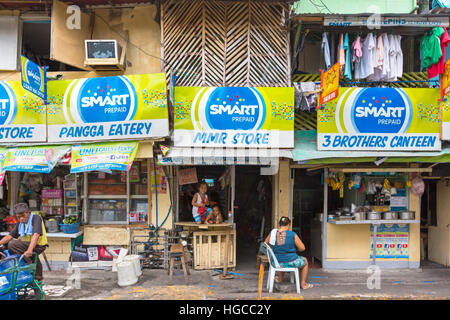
(70, 228)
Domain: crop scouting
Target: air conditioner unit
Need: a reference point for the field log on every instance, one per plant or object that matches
(104, 55)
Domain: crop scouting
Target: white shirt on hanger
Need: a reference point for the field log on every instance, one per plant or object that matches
(366, 66)
(399, 57)
(392, 75)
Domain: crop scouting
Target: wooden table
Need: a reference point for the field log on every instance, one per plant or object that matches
(203, 226)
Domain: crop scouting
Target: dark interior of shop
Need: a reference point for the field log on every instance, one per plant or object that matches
(307, 206)
(253, 201)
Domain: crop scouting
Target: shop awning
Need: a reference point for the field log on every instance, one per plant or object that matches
(305, 152)
(222, 156)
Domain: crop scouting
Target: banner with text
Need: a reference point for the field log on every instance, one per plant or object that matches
(34, 159)
(22, 114)
(234, 116)
(107, 108)
(380, 119)
(103, 156)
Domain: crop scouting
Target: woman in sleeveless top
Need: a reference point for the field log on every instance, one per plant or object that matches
(284, 244)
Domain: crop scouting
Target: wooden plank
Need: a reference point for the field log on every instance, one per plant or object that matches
(66, 45)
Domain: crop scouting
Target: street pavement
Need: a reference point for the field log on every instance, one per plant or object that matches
(427, 283)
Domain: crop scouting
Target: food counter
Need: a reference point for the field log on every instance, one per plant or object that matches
(371, 219)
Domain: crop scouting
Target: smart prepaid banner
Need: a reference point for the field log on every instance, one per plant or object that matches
(234, 117)
(22, 114)
(107, 108)
(380, 119)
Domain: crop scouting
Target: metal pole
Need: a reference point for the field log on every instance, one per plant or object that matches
(374, 249)
(325, 217)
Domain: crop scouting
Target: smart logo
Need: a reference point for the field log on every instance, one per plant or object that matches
(232, 108)
(375, 110)
(8, 104)
(33, 75)
(111, 99)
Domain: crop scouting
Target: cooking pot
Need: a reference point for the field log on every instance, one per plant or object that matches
(51, 225)
(390, 215)
(407, 215)
(373, 215)
(359, 215)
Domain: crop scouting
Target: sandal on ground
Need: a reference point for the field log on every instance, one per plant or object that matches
(308, 286)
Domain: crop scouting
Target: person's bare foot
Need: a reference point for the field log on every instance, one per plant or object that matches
(307, 286)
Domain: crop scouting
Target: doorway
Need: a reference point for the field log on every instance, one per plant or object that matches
(252, 213)
(307, 209)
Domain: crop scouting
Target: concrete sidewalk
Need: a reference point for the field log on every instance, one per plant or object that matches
(432, 282)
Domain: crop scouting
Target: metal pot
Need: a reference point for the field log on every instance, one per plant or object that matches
(51, 226)
(390, 215)
(373, 215)
(359, 215)
(407, 215)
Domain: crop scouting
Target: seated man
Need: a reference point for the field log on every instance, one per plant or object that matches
(32, 237)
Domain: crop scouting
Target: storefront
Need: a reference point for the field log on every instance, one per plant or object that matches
(106, 185)
(353, 196)
(233, 139)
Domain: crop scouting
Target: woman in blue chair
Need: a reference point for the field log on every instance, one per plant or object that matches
(284, 244)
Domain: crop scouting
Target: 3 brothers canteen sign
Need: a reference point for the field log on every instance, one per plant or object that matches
(22, 114)
(234, 116)
(380, 119)
(108, 108)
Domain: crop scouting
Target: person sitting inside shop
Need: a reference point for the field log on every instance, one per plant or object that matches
(30, 231)
(215, 216)
(284, 243)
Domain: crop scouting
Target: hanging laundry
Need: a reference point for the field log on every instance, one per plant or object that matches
(333, 49)
(357, 53)
(326, 50)
(377, 75)
(366, 66)
(341, 56)
(438, 68)
(392, 75)
(347, 68)
(386, 61)
(430, 47)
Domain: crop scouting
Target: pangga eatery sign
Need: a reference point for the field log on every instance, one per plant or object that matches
(380, 119)
(234, 116)
(106, 108)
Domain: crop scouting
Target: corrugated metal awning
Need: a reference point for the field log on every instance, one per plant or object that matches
(222, 156)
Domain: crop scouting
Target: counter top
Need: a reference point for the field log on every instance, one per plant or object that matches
(373, 221)
(203, 226)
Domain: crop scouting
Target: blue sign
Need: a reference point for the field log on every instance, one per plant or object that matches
(111, 99)
(8, 104)
(381, 110)
(34, 78)
(235, 108)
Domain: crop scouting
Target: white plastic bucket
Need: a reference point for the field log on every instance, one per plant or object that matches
(135, 259)
(126, 274)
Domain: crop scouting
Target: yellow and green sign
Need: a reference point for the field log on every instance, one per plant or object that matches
(234, 116)
(378, 119)
(107, 108)
(34, 158)
(22, 114)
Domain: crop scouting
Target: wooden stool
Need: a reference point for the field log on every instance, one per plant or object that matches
(176, 251)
